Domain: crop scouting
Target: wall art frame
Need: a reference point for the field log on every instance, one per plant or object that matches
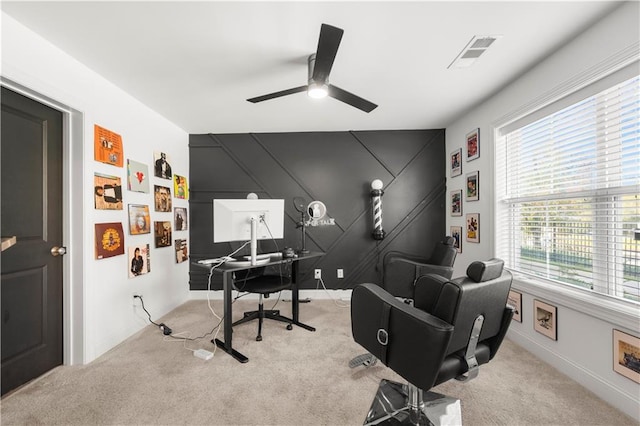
(456, 203)
(472, 191)
(515, 300)
(545, 319)
(473, 227)
(456, 162)
(626, 355)
(473, 144)
(456, 233)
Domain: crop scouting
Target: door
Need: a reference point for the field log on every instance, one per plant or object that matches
(31, 210)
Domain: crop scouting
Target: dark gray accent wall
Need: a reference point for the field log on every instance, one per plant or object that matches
(336, 168)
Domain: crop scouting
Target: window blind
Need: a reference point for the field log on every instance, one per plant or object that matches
(567, 192)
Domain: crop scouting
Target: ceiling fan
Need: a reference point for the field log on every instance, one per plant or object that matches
(320, 64)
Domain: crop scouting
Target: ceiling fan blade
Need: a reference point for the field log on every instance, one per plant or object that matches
(278, 94)
(326, 53)
(351, 99)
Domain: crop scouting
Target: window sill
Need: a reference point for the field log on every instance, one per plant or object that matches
(618, 312)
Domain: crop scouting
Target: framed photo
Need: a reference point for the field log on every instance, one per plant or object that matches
(139, 219)
(626, 355)
(107, 192)
(138, 176)
(182, 252)
(107, 146)
(545, 319)
(473, 144)
(139, 260)
(473, 227)
(109, 240)
(162, 198)
(473, 186)
(180, 187)
(162, 166)
(456, 233)
(162, 232)
(515, 300)
(456, 162)
(456, 203)
(180, 218)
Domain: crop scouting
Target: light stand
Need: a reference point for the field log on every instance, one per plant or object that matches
(300, 205)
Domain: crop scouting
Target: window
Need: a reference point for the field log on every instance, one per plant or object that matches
(568, 193)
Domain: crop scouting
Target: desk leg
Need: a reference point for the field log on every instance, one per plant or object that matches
(228, 320)
(295, 299)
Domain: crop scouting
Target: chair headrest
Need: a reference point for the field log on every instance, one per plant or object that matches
(448, 241)
(485, 270)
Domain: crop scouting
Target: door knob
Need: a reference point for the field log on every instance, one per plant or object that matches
(58, 251)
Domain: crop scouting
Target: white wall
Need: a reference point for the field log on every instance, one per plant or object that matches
(584, 346)
(99, 311)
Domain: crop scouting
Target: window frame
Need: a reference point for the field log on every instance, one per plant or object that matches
(603, 306)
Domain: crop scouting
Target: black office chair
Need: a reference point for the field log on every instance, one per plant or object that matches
(400, 270)
(264, 281)
(453, 327)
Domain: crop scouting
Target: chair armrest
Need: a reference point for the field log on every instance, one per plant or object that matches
(417, 341)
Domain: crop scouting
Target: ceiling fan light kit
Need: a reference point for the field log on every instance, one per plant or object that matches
(319, 67)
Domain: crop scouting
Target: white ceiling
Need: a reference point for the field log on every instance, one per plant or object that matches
(196, 63)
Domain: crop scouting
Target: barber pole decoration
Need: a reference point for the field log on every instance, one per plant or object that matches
(376, 195)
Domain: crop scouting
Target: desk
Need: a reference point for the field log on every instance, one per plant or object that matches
(228, 270)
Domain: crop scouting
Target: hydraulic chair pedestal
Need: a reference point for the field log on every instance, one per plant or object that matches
(404, 404)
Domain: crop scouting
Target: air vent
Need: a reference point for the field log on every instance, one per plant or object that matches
(472, 51)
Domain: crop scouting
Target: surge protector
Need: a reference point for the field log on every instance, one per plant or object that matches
(203, 353)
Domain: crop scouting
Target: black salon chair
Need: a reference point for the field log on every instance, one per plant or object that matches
(400, 270)
(264, 281)
(453, 327)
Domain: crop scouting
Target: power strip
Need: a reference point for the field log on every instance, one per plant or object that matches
(203, 353)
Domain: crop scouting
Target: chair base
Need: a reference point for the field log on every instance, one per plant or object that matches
(262, 314)
(392, 406)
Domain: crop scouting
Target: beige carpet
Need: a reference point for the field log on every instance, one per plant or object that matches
(292, 378)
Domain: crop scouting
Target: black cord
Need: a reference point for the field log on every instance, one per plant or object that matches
(174, 337)
(145, 309)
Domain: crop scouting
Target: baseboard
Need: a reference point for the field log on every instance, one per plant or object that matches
(602, 388)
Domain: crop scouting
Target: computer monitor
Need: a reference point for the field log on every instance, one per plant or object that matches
(248, 220)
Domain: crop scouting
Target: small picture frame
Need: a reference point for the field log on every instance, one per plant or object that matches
(456, 203)
(139, 219)
(456, 162)
(473, 186)
(545, 319)
(473, 144)
(473, 227)
(162, 198)
(162, 233)
(456, 233)
(180, 218)
(626, 355)
(515, 300)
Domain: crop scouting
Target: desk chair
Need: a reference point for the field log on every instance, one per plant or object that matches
(453, 327)
(264, 281)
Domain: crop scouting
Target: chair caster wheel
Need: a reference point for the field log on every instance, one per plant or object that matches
(259, 339)
(289, 327)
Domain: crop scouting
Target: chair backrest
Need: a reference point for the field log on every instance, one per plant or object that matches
(483, 291)
(444, 253)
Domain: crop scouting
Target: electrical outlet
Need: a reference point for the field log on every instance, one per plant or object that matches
(136, 301)
(317, 274)
(340, 273)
